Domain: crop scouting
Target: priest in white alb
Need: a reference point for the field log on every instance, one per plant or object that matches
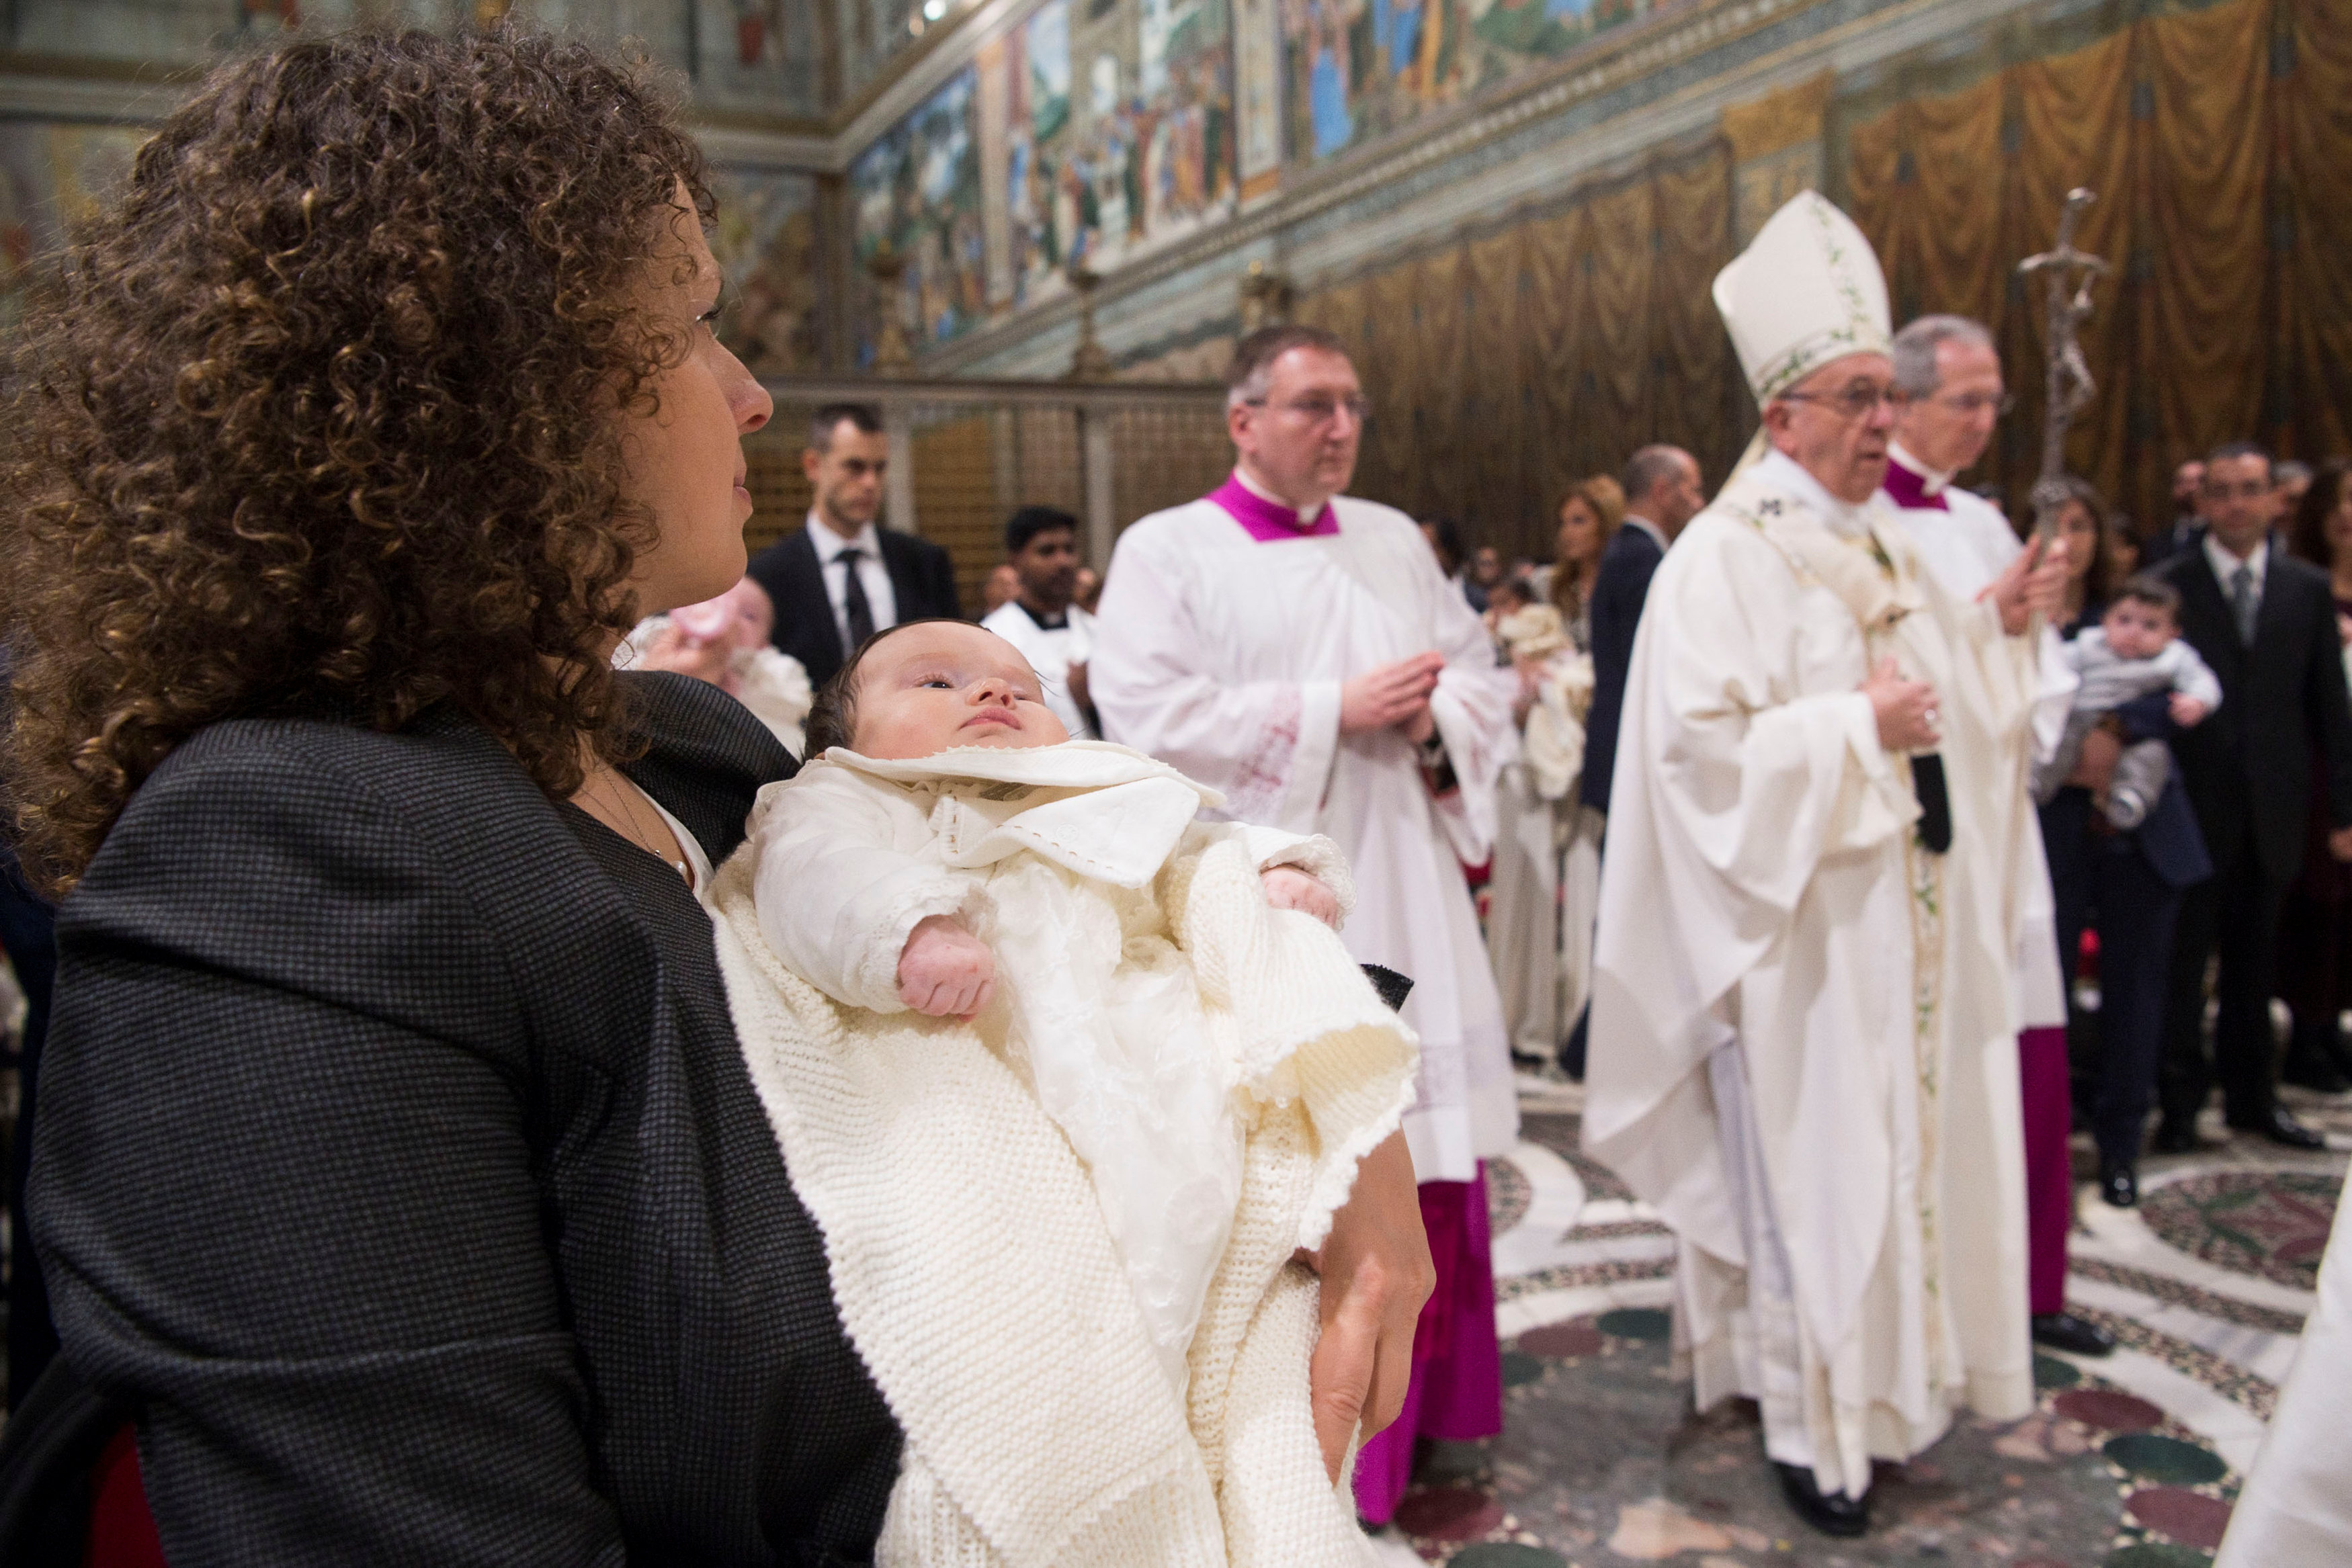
(1804, 1027)
(1948, 373)
(1300, 650)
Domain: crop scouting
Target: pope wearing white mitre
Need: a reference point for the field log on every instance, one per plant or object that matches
(1804, 1032)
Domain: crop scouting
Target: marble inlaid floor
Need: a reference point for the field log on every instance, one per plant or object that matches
(2131, 1461)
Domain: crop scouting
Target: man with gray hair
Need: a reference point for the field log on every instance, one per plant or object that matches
(1949, 395)
(1662, 494)
(1298, 650)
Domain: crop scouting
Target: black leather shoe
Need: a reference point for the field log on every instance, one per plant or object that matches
(1836, 1514)
(2175, 1138)
(2119, 1184)
(2065, 1330)
(2280, 1127)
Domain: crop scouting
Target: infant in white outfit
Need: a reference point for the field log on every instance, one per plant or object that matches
(950, 849)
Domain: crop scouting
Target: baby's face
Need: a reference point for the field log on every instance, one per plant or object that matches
(2137, 631)
(930, 687)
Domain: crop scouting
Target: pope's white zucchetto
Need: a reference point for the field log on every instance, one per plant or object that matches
(1807, 290)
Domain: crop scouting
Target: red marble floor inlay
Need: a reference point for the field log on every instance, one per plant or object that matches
(1448, 1513)
(2107, 1410)
(2188, 1517)
(1577, 1338)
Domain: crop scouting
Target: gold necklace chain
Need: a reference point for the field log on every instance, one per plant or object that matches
(609, 779)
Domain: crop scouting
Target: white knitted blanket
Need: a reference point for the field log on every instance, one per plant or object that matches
(976, 1276)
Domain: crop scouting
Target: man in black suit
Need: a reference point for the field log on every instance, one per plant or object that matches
(841, 579)
(2266, 623)
(1662, 494)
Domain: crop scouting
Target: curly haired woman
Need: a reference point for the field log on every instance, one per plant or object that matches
(397, 1157)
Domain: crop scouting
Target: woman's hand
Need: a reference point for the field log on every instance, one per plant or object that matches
(944, 970)
(1287, 887)
(1376, 1275)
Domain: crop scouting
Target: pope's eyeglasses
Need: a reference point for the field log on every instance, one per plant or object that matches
(1855, 402)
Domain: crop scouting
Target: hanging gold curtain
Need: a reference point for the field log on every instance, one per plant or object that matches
(2220, 142)
(2316, 125)
(1505, 365)
(1696, 396)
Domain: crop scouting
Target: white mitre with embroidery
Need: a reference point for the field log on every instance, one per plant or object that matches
(1807, 290)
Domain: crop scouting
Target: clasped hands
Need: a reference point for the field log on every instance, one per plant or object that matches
(1393, 697)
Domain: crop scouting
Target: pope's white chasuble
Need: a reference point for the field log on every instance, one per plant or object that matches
(1222, 651)
(1803, 1035)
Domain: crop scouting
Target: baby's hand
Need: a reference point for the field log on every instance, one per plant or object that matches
(2187, 711)
(1287, 887)
(944, 970)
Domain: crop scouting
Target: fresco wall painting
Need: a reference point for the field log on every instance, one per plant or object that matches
(1355, 70)
(767, 247)
(916, 196)
(1120, 134)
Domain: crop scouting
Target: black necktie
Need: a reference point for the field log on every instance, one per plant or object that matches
(855, 606)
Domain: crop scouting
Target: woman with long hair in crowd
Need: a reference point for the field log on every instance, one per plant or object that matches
(2083, 524)
(2124, 883)
(397, 1162)
(1589, 514)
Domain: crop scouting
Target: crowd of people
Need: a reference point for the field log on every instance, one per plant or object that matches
(569, 1044)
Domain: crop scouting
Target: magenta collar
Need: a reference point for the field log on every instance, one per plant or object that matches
(1909, 490)
(1265, 521)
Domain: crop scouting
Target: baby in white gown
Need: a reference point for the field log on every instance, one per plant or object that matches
(949, 852)
(868, 890)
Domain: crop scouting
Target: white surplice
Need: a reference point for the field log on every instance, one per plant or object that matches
(1803, 1033)
(1965, 548)
(1224, 656)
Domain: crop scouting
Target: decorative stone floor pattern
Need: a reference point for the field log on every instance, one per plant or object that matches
(2132, 1462)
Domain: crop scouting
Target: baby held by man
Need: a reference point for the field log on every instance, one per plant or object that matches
(1070, 1075)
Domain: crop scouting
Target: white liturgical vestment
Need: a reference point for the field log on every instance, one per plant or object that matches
(1964, 543)
(1222, 654)
(1803, 1035)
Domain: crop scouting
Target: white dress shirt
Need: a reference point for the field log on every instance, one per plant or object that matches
(879, 597)
(2225, 568)
(1633, 520)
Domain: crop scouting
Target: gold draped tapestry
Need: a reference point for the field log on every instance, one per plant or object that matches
(2220, 142)
(1506, 363)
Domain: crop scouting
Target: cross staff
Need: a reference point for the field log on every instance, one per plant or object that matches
(2069, 386)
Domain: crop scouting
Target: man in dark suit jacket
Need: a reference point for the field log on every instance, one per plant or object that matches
(840, 578)
(1662, 494)
(2131, 883)
(2266, 623)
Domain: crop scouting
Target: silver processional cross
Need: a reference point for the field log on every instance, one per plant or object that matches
(2069, 386)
